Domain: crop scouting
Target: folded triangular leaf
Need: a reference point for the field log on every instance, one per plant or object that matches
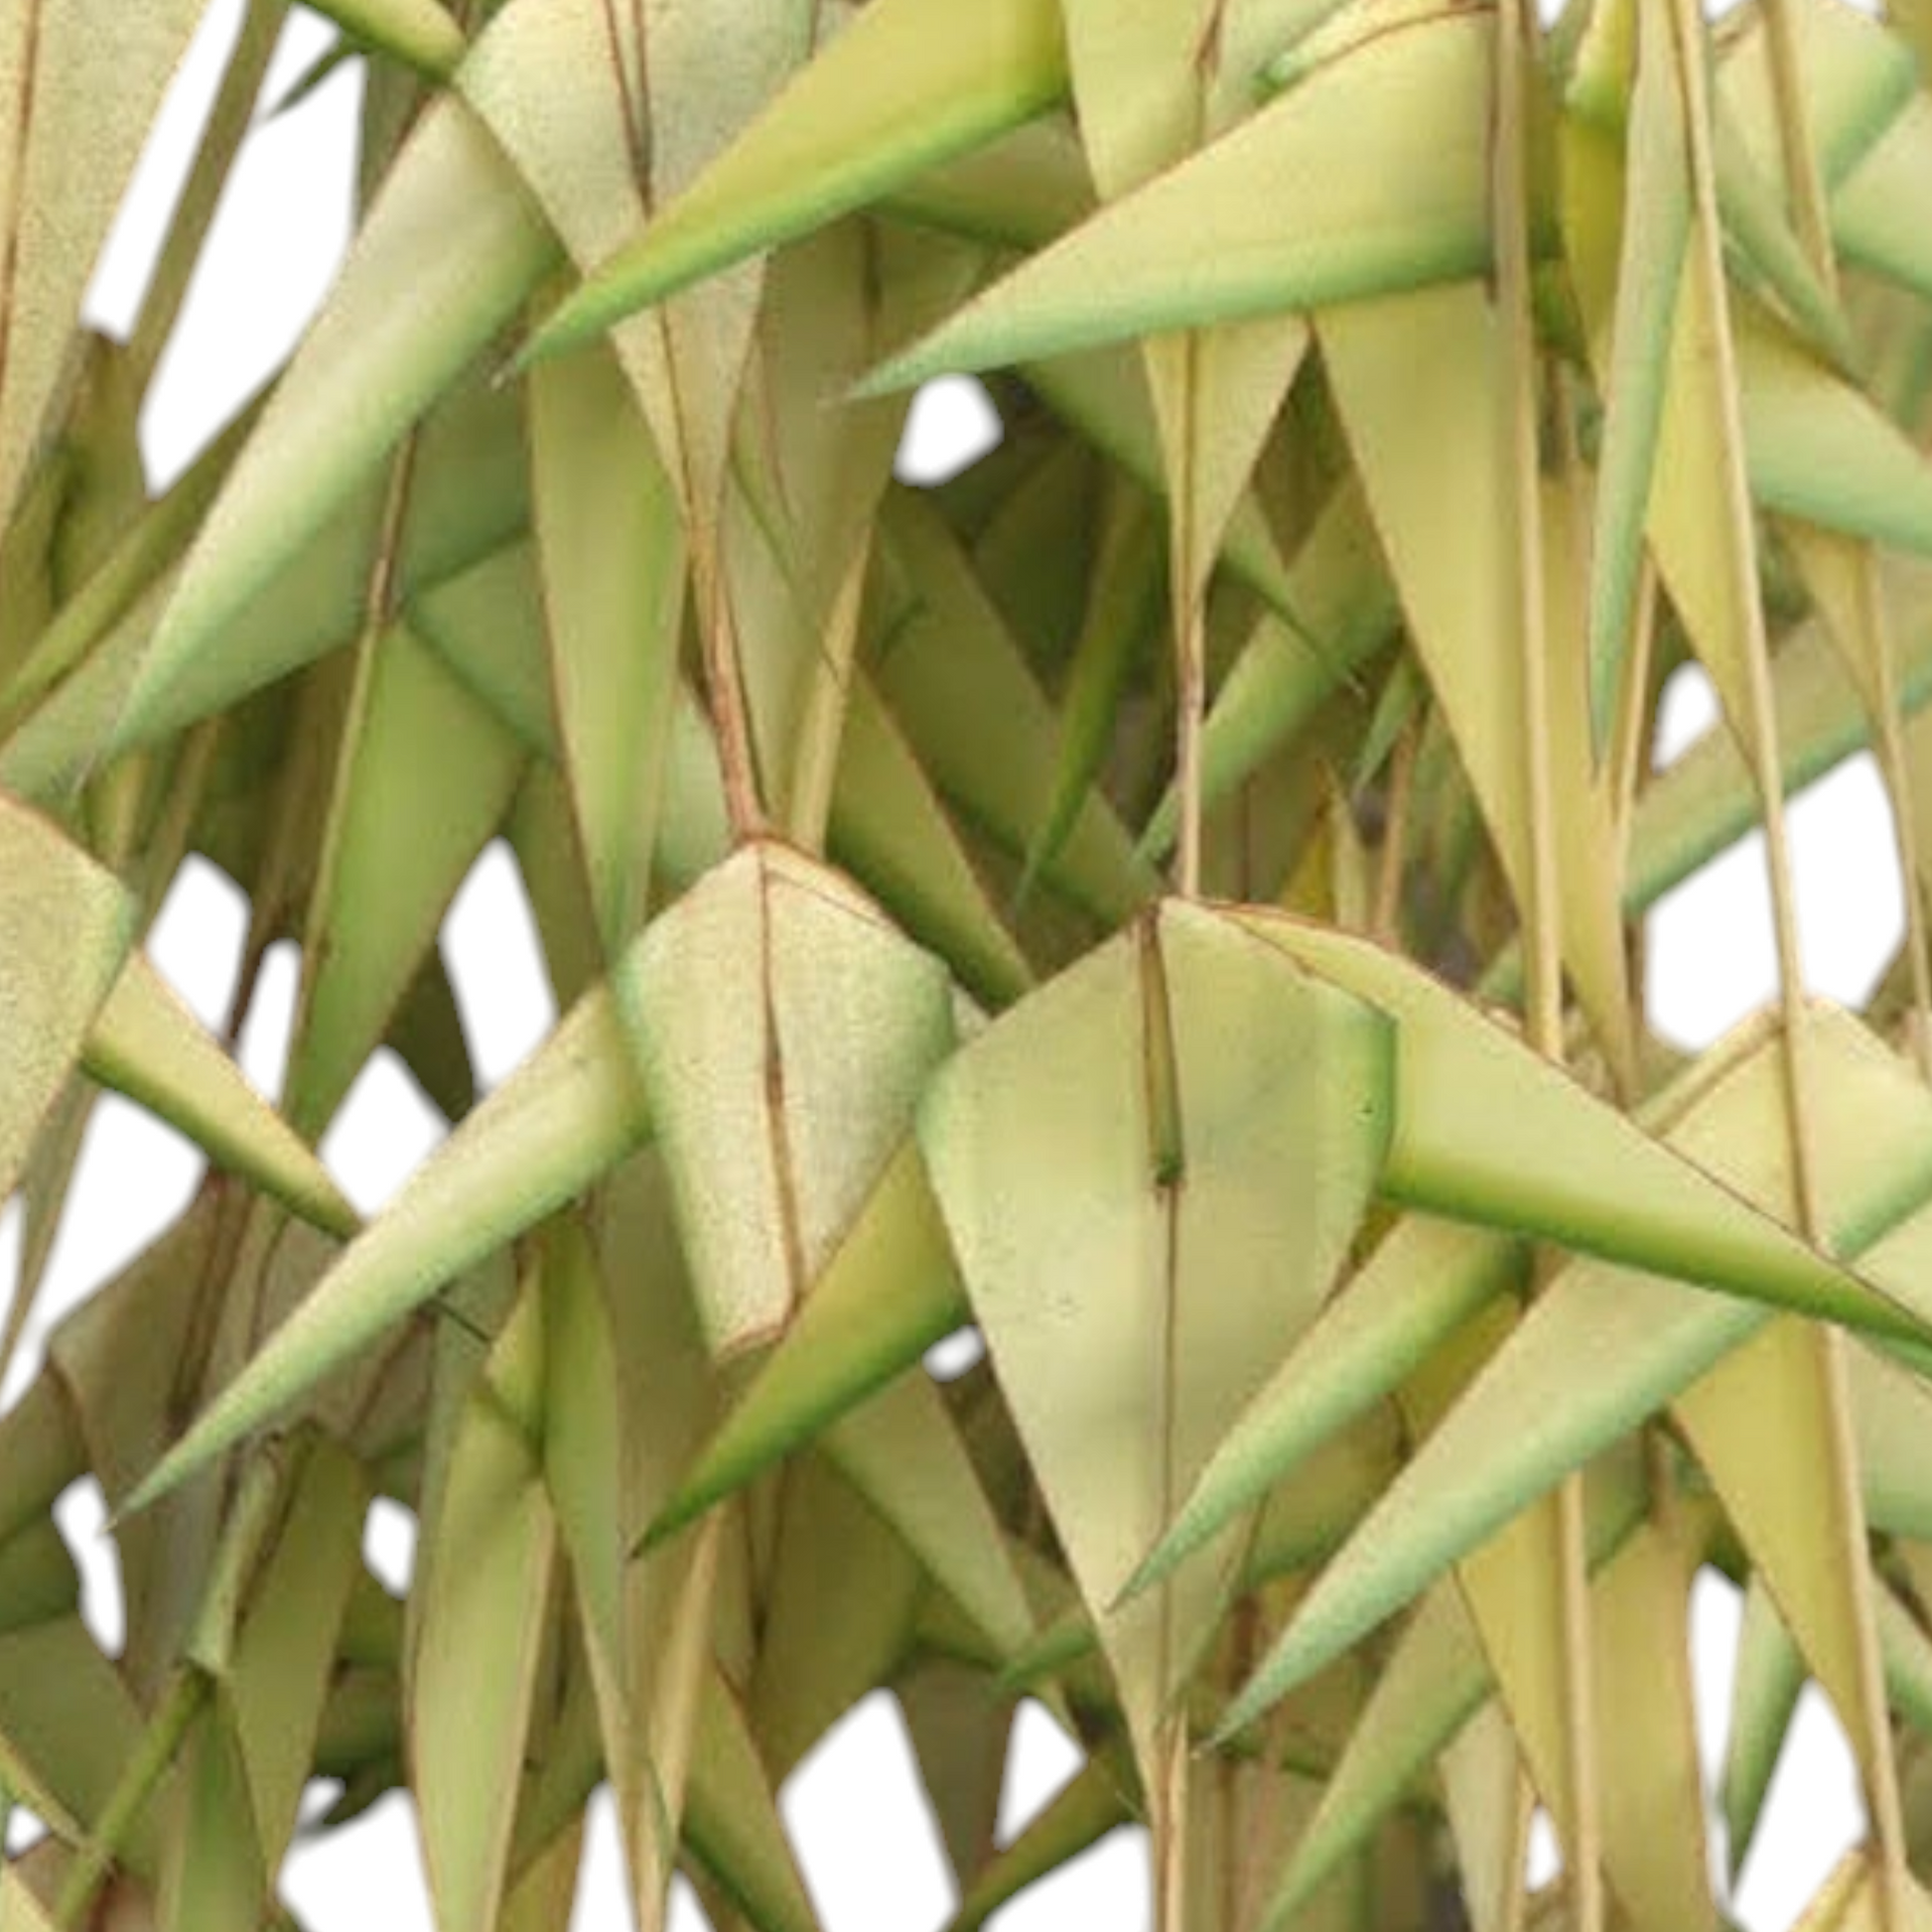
(909, 83)
(417, 32)
(1422, 1283)
(659, 109)
(1433, 1682)
(480, 1610)
(1605, 1347)
(1369, 176)
(1627, 282)
(569, 1115)
(1860, 76)
(1211, 1116)
(955, 679)
(902, 1452)
(844, 1593)
(1693, 527)
(1121, 610)
(1427, 431)
(784, 1029)
(1760, 1425)
(1652, 1783)
(889, 828)
(1104, 395)
(455, 228)
(1821, 450)
(613, 591)
(961, 1728)
(1482, 1796)
(732, 1823)
(66, 925)
(213, 1873)
(284, 1656)
(1764, 1694)
(144, 1043)
(81, 80)
(1092, 1803)
(67, 1725)
(1346, 609)
(382, 897)
(1488, 1132)
(887, 1294)
(1872, 212)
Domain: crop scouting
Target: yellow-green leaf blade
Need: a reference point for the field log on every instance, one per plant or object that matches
(384, 894)
(1369, 176)
(568, 1115)
(1765, 1692)
(452, 225)
(419, 33)
(1424, 1281)
(614, 588)
(1270, 1117)
(67, 925)
(145, 1044)
(1539, 1154)
(1605, 1347)
(784, 1032)
(80, 85)
(910, 83)
(890, 1291)
(479, 1624)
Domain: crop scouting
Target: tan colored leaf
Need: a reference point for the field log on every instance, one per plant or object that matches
(484, 1593)
(1198, 1102)
(784, 1031)
(65, 927)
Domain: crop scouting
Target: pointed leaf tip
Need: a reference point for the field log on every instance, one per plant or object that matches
(1368, 179)
(570, 1114)
(907, 86)
(418, 33)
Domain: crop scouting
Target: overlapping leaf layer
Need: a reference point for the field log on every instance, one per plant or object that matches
(1170, 897)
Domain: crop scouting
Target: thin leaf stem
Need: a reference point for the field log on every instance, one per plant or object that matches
(1193, 711)
(1760, 729)
(1901, 789)
(1190, 632)
(1516, 31)
(1761, 722)
(815, 769)
(1798, 151)
(160, 1745)
(1166, 1774)
(1385, 921)
(1805, 182)
(1170, 1828)
(228, 127)
(1541, 910)
(11, 217)
(1804, 179)
(1516, 1897)
(724, 691)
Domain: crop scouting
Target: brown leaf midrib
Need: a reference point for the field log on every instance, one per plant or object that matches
(778, 1126)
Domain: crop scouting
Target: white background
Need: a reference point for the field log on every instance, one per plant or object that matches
(867, 1844)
